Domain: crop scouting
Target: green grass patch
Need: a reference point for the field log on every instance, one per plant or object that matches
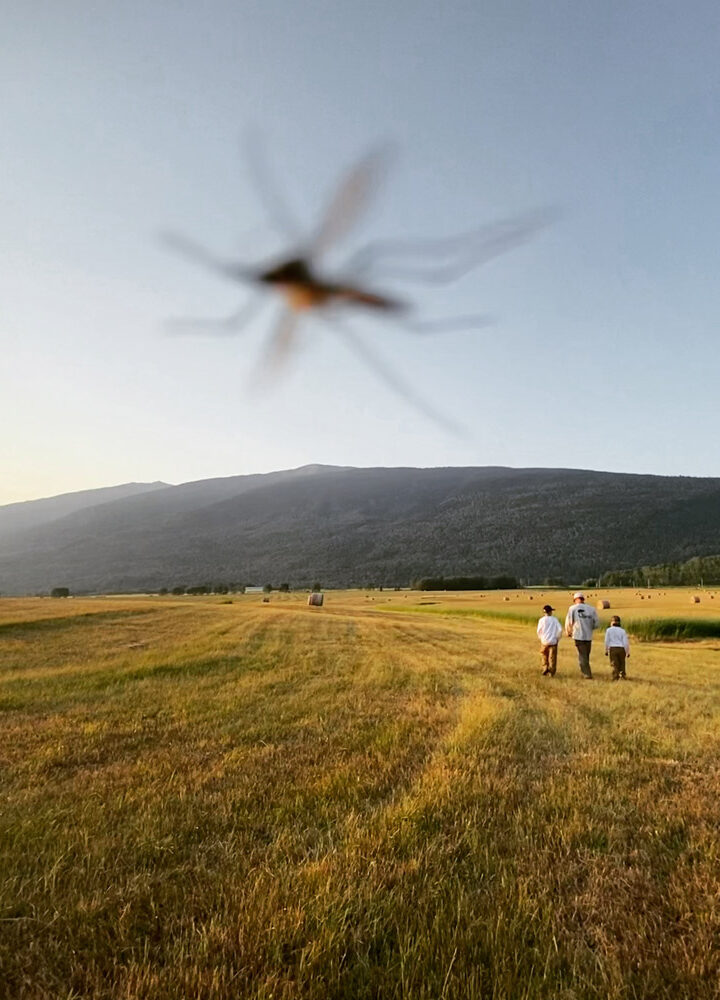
(674, 629)
(13, 629)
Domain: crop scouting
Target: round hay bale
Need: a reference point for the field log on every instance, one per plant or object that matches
(506, 598)
(603, 605)
(316, 600)
(694, 599)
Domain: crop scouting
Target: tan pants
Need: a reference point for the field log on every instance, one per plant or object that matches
(548, 654)
(617, 661)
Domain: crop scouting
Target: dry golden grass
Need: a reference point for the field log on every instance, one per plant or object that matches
(217, 800)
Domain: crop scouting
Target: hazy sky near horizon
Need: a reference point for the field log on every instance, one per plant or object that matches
(120, 121)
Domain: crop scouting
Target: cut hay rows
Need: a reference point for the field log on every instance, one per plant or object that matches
(226, 801)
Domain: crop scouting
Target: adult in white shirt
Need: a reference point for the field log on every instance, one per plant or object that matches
(617, 647)
(549, 631)
(579, 624)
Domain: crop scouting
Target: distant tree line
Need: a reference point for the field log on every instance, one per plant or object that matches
(699, 570)
(204, 588)
(220, 588)
(465, 583)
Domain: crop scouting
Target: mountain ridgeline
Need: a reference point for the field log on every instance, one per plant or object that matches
(356, 527)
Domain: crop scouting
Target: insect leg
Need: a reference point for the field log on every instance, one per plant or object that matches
(200, 255)
(375, 364)
(226, 326)
(267, 190)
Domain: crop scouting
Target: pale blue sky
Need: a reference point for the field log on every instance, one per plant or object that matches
(119, 120)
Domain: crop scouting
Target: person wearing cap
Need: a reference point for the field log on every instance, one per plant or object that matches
(549, 631)
(579, 624)
(617, 647)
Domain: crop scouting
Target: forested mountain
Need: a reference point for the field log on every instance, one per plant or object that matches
(696, 571)
(21, 517)
(359, 526)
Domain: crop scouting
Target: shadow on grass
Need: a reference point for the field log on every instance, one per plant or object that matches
(17, 630)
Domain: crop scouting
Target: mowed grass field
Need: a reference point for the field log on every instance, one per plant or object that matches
(631, 605)
(203, 799)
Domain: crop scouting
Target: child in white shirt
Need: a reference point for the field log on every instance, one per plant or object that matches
(549, 631)
(617, 647)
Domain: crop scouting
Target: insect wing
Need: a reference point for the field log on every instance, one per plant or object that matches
(439, 261)
(349, 201)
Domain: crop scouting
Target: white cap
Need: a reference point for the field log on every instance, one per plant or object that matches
(579, 594)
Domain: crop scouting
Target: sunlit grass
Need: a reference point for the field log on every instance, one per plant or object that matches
(270, 800)
(648, 615)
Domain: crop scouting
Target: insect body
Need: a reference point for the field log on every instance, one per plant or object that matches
(302, 289)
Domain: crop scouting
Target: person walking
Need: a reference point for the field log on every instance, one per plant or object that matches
(549, 631)
(579, 624)
(617, 647)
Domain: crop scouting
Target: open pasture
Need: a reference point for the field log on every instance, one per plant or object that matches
(673, 614)
(221, 800)
(628, 603)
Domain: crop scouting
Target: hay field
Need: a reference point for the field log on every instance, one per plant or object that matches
(674, 614)
(206, 799)
(630, 604)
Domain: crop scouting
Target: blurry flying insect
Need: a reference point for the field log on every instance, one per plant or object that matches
(296, 278)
